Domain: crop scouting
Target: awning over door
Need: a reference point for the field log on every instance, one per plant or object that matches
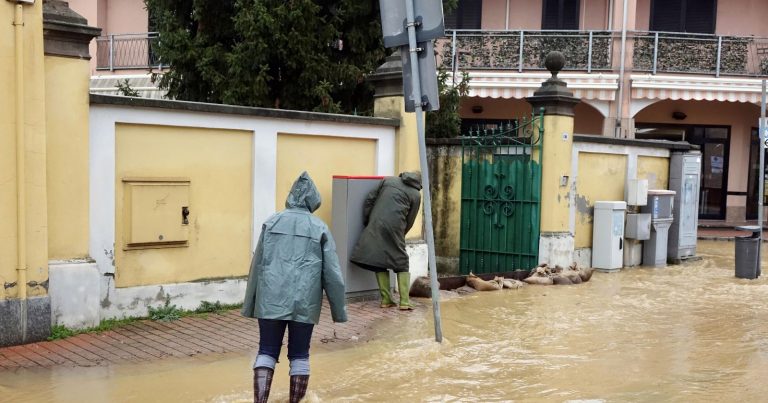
(688, 87)
(500, 84)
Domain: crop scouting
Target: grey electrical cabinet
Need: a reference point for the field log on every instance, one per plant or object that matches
(608, 235)
(348, 195)
(684, 179)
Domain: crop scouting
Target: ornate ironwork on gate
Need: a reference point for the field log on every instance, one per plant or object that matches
(501, 196)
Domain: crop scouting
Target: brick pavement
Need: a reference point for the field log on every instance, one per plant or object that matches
(146, 340)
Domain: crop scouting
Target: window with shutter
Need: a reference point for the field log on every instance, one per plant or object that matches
(560, 14)
(696, 16)
(468, 15)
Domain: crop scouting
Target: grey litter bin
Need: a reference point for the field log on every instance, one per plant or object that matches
(748, 253)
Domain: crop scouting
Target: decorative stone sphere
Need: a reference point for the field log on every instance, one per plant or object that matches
(554, 62)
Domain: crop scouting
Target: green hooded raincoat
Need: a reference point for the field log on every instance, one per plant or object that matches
(389, 212)
(295, 261)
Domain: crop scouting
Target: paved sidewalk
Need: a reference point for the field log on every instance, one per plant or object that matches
(148, 340)
(724, 233)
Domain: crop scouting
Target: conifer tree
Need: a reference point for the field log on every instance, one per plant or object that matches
(291, 54)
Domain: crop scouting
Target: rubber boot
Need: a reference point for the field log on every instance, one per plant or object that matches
(382, 277)
(299, 385)
(262, 382)
(403, 287)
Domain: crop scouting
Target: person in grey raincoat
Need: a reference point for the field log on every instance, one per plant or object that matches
(295, 260)
(389, 212)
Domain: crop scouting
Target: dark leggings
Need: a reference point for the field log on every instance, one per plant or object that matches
(271, 333)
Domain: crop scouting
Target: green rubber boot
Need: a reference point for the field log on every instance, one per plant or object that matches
(403, 287)
(382, 278)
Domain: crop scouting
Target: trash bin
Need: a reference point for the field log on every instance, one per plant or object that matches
(748, 253)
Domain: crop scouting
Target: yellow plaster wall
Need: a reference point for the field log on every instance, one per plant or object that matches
(600, 177)
(66, 95)
(218, 164)
(445, 170)
(322, 157)
(655, 169)
(34, 103)
(555, 211)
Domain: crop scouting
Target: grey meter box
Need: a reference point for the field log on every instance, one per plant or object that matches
(349, 194)
(684, 178)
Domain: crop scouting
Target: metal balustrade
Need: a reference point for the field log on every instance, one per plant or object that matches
(128, 51)
(653, 52)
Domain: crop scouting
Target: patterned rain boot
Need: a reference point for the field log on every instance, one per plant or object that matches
(382, 278)
(299, 385)
(403, 287)
(262, 382)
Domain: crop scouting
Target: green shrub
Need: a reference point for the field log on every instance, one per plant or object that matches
(165, 313)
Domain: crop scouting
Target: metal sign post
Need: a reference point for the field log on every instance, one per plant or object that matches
(763, 136)
(430, 21)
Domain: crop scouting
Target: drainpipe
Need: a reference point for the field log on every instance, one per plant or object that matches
(506, 17)
(620, 107)
(21, 209)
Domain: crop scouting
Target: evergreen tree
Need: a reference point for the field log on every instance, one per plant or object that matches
(292, 54)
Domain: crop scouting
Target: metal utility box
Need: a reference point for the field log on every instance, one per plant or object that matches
(348, 195)
(638, 226)
(660, 207)
(155, 213)
(637, 192)
(660, 204)
(685, 179)
(608, 235)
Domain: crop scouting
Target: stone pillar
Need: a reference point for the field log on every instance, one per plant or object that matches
(556, 241)
(390, 103)
(66, 39)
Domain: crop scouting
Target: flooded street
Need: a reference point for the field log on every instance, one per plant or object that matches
(691, 332)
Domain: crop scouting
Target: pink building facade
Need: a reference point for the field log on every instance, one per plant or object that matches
(691, 71)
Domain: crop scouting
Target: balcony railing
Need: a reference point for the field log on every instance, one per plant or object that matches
(654, 52)
(525, 50)
(129, 51)
(674, 52)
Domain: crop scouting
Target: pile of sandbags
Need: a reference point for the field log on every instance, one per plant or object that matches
(545, 275)
(497, 283)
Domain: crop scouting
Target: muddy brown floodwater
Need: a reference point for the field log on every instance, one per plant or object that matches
(684, 333)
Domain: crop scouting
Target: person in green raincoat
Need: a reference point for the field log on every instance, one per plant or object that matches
(388, 214)
(295, 260)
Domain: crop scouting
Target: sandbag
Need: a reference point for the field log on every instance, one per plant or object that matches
(512, 283)
(573, 275)
(421, 288)
(586, 273)
(538, 280)
(559, 279)
(482, 285)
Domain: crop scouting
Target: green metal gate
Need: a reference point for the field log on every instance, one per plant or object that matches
(501, 197)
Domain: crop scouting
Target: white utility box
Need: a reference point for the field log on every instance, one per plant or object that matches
(608, 235)
(637, 192)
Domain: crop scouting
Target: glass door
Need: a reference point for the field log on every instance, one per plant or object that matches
(714, 169)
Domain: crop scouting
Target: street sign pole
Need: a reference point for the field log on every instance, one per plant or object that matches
(761, 192)
(414, 57)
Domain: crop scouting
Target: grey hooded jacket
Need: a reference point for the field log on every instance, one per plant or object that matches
(295, 261)
(389, 212)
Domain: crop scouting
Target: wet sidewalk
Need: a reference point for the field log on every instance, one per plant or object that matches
(147, 340)
(724, 233)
